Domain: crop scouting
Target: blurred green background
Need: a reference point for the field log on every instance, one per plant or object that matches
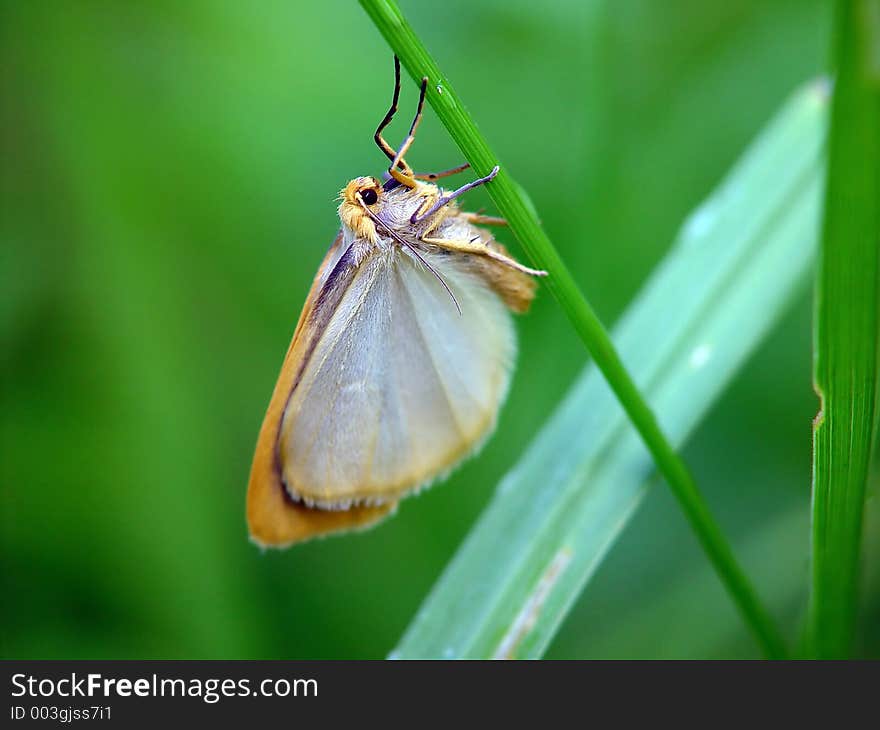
(168, 185)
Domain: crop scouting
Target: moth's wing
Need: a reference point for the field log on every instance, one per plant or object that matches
(274, 519)
(400, 387)
(516, 289)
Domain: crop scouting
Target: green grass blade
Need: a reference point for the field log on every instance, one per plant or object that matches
(735, 266)
(513, 205)
(847, 324)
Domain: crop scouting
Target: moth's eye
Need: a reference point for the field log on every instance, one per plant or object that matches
(369, 196)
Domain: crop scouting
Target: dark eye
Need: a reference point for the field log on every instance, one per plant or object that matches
(369, 196)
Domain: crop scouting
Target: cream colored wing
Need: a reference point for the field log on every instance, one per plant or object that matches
(274, 519)
(399, 387)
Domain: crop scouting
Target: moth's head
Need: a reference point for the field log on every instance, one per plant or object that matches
(366, 200)
(361, 195)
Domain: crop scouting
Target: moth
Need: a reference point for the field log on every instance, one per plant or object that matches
(401, 358)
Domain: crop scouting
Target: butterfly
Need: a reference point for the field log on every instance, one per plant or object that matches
(401, 358)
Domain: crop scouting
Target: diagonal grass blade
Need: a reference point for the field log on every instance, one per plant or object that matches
(738, 260)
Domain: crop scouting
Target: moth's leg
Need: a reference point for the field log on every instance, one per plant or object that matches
(449, 197)
(386, 120)
(439, 217)
(443, 173)
(485, 220)
(406, 177)
(482, 250)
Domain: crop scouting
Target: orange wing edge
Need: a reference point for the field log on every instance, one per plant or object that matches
(273, 518)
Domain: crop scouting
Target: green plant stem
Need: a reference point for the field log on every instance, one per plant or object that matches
(513, 206)
(847, 303)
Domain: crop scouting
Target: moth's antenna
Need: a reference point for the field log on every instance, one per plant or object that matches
(379, 139)
(412, 249)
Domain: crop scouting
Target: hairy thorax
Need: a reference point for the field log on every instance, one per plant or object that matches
(390, 220)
